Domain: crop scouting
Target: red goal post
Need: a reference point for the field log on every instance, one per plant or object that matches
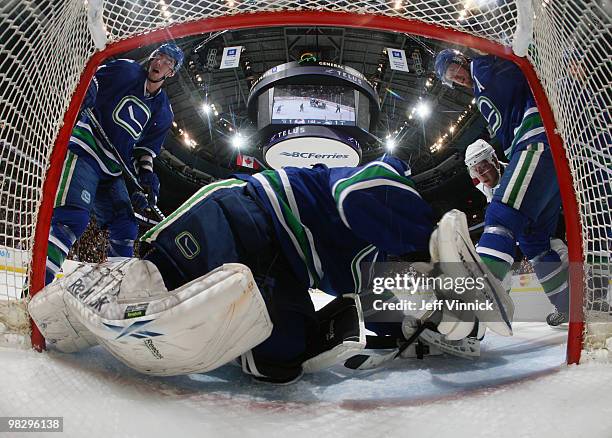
(196, 17)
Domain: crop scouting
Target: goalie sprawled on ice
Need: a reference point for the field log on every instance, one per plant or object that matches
(226, 278)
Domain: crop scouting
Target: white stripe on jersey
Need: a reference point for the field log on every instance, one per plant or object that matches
(294, 208)
(495, 253)
(279, 214)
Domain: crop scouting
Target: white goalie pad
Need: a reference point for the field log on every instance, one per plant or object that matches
(126, 276)
(195, 328)
(58, 326)
(456, 325)
(452, 250)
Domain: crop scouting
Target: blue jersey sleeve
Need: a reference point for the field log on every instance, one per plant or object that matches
(490, 71)
(380, 204)
(505, 101)
(117, 72)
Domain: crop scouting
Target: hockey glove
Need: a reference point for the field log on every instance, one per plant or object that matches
(150, 184)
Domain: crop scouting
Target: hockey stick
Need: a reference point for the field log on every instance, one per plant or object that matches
(126, 170)
(468, 348)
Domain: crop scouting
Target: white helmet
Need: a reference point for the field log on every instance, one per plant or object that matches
(478, 152)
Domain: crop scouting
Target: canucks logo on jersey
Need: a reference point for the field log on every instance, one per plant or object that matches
(132, 115)
(510, 110)
(132, 118)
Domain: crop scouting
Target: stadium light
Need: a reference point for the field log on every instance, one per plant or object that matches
(423, 110)
(238, 141)
(206, 108)
(390, 144)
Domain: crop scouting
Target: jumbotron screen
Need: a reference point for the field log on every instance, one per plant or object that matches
(313, 105)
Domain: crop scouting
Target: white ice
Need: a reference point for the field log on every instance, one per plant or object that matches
(520, 387)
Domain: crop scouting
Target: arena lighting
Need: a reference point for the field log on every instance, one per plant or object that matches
(423, 110)
(206, 108)
(237, 141)
(188, 140)
(390, 144)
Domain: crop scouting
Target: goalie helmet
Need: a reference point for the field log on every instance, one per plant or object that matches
(478, 152)
(445, 58)
(171, 50)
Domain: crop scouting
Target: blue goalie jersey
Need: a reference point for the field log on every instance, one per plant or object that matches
(333, 222)
(505, 100)
(135, 121)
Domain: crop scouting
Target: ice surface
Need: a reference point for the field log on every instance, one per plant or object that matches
(518, 388)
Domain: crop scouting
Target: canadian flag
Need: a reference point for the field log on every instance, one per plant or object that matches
(247, 161)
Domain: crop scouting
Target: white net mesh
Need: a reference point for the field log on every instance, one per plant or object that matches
(45, 44)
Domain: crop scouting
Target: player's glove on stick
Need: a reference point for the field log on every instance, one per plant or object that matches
(150, 184)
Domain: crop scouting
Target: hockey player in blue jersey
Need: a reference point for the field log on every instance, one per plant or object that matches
(486, 172)
(134, 111)
(227, 275)
(525, 207)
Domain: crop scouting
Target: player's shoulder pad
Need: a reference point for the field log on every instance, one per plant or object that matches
(163, 110)
(399, 165)
(126, 68)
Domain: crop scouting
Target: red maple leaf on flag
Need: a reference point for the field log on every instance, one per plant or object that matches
(247, 161)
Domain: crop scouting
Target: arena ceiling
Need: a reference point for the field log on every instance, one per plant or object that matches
(208, 147)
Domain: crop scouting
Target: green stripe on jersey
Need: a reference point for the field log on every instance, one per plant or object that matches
(152, 234)
(497, 267)
(84, 136)
(529, 123)
(372, 172)
(516, 187)
(56, 255)
(67, 171)
(291, 219)
(555, 282)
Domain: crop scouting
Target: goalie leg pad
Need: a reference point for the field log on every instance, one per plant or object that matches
(452, 250)
(195, 328)
(58, 326)
(456, 325)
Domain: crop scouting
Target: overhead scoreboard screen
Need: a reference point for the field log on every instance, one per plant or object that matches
(332, 105)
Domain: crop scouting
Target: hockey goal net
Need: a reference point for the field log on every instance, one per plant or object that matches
(48, 56)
